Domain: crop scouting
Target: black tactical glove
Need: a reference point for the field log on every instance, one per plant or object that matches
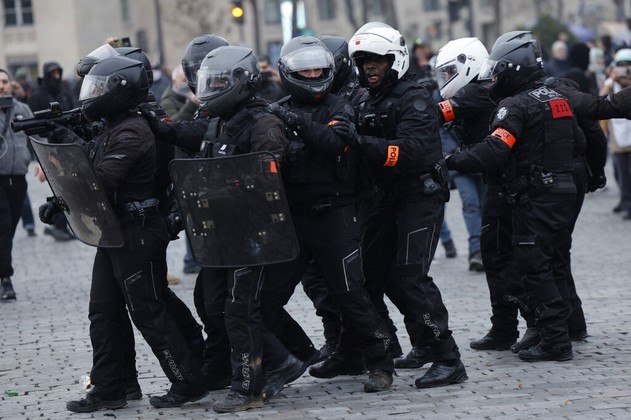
(596, 182)
(291, 119)
(175, 224)
(48, 210)
(345, 128)
(60, 134)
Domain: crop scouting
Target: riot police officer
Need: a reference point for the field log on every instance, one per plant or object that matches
(227, 82)
(467, 109)
(320, 180)
(209, 294)
(185, 321)
(399, 140)
(124, 161)
(532, 142)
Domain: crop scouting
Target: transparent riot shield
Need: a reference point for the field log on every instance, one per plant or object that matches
(72, 179)
(235, 210)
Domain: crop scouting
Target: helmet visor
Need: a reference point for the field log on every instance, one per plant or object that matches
(94, 86)
(445, 73)
(190, 70)
(491, 69)
(308, 59)
(212, 83)
(104, 51)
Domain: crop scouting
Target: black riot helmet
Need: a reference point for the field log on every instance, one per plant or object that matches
(343, 67)
(85, 64)
(227, 77)
(112, 86)
(301, 54)
(511, 66)
(517, 36)
(139, 55)
(195, 52)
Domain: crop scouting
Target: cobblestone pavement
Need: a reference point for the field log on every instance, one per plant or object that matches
(46, 349)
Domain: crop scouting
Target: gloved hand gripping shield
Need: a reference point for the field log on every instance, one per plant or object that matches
(235, 210)
(83, 200)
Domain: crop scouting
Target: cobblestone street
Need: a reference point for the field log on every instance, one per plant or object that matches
(46, 348)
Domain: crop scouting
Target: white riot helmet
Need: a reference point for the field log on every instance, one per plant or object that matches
(376, 38)
(458, 63)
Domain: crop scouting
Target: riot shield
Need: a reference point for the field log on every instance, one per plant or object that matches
(72, 179)
(235, 210)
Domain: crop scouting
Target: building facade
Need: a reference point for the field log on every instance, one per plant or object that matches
(37, 31)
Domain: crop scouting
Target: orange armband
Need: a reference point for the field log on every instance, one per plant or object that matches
(393, 156)
(505, 136)
(448, 110)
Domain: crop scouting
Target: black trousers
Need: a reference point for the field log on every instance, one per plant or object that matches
(315, 288)
(210, 301)
(399, 240)
(134, 276)
(252, 343)
(562, 267)
(186, 323)
(12, 192)
(331, 238)
(502, 277)
(542, 220)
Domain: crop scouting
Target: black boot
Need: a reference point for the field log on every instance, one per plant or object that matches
(492, 341)
(416, 358)
(92, 403)
(542, 352)
(327, 349)
(173, 399)
(274, 380)
(531, 338)
(450, 249)
(235, 402)
(378, 380)
(336, 366)
(6, 289)
(441, 374)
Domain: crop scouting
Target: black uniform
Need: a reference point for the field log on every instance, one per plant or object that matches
(228, 299)
(401, 143)
(181, 314)
(134, 275)
(469, 113)
(319, 175)
(532, 143)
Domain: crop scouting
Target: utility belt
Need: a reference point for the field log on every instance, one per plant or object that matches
(138, 210)
(537, 181)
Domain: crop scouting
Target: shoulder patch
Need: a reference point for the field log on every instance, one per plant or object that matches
(420, 105)
(501, 113)
(460, 93)
(272, 133)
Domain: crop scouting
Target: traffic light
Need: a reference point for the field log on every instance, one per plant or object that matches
(237, 11)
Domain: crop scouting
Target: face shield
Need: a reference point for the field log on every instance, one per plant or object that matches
(445, 73)
(491, 69)
(104, 51)
(308, 59)
(212, 83)
(95, 86)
